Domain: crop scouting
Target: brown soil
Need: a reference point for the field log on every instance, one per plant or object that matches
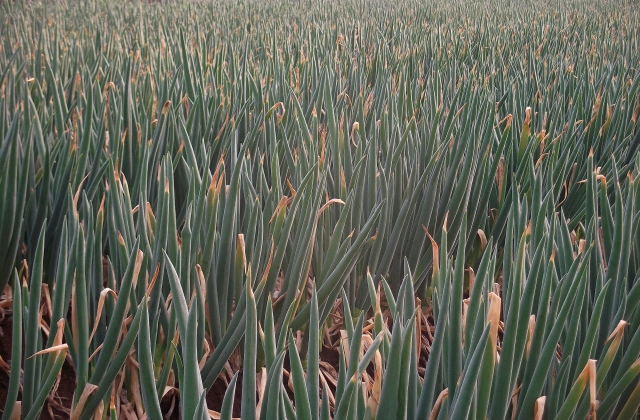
(64, 394)
(5, 352)
(217, 391)
(65, 388)
(67, 384)
(216, 395)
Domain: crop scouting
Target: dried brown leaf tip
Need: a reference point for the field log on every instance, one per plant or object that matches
(165, 108)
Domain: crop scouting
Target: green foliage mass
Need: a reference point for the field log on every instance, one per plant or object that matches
(195, 190)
